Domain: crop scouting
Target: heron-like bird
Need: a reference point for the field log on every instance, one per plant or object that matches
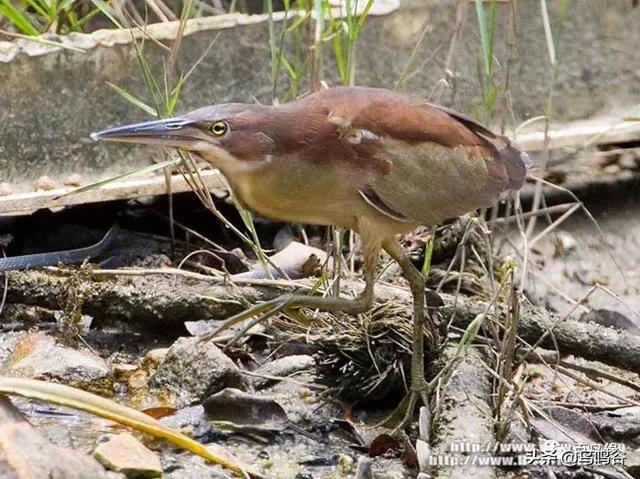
(372, 160)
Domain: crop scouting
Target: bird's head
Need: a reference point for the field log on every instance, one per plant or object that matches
(220, 134)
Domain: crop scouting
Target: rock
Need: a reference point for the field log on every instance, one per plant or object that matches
(283, 367)
(138, 380)
(73, 180)
(123, 371)
(195, 370)
(124, 453)
(138, 376)
(154, 358)
(38, 356)
(25, 453)
(44, 183)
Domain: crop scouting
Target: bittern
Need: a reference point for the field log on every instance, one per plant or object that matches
(372, 160)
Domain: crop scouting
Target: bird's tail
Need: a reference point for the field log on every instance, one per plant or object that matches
(513, 159)
(516, 162)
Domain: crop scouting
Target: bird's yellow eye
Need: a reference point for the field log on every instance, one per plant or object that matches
(219, 128)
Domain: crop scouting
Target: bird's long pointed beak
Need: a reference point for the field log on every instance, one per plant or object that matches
(176, 132)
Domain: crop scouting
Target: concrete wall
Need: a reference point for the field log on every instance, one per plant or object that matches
(49, 103)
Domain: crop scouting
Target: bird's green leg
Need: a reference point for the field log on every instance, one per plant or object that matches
(263, 311)
(419, 388)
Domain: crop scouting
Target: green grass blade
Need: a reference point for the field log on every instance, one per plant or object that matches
(247, 219)
(272, 47)
(17, 18)
(128, 174)
(469, 335)
(105, 9)
(428, 253)
(484, 36)
(491, 36)
(38, 8)
(77, 25)
(363, 18)
(291, 71)
(153, 89)
(84, 401)
(175, 96)
(298, 22)
(548, 34)
(175, 48)
(44, 41)
(133, 99)
(341, 61)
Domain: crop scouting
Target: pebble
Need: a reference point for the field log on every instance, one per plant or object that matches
(44, 183)
(73, 180)
(38, 356)
(124, 453)
(195, 370)
(611, 169)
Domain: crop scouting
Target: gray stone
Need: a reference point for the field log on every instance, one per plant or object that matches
(194, 370)
(124, 453)
(25, 453)
(38, 356)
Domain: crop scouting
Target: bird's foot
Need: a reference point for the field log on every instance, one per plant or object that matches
(403, 413)
(263, 311)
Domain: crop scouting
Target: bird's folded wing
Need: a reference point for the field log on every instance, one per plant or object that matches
(443, 164)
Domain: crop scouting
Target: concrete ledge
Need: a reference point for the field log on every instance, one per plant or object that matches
(52, 98)
(23, 203)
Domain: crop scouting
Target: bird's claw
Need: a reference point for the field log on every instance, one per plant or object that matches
(403, 413)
